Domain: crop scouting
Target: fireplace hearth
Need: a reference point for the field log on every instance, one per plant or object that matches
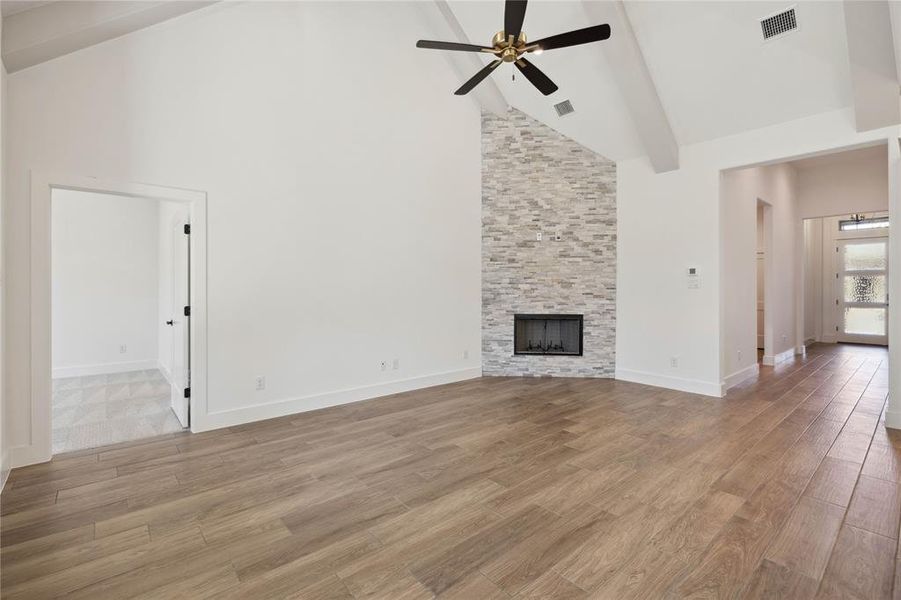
(547, 334)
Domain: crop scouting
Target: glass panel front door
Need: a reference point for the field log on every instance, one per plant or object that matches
(863, 291)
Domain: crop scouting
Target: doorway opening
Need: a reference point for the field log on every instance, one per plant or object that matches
(817, 229)
(764, 237)
(120, 310)
(846, 284)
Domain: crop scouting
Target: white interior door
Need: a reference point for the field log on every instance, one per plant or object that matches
(862, 291)
(180, 323)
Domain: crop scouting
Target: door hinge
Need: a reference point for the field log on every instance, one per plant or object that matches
(836, 301)
(187, 392)
(187, 311)
(836, 275)
(836, 327)
(188, 229)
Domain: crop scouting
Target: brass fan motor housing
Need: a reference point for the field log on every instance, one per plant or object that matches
(504, 47)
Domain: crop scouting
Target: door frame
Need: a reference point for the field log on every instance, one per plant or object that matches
(42, 185)
(769, 266)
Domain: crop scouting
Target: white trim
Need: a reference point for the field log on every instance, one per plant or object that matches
(103, 369)
(22, 456)
(695, 386)
(4, 468)
(742, 374)
(165, 372)
(772, 361)
(892, 418)
(38, 448)
(302, 404)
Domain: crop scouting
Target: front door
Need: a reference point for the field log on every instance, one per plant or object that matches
(863, 291)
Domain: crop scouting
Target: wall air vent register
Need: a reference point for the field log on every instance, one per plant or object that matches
(564, 108)
(779, 24)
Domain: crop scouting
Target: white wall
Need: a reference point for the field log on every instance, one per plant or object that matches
(742, 189)
(813, 279)
(171, 216)
(343, 192)
(4, 397)
(105, 257)
(670, 221)
(830, 189)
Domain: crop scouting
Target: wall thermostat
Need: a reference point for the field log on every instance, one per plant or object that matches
(694, 280)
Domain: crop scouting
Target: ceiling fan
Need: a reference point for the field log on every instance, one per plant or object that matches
(510, 45)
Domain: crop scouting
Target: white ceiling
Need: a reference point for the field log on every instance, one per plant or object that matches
(714, 74)
(11, 7)
(601, 120)
(712, 71)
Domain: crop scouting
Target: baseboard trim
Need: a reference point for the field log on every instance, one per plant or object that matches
(104, 369)
(772, 361)
(22, 456)
(893, 419)
(4, 469)
(165, 372)
(730, 381)
(694, 386)
(303, 404)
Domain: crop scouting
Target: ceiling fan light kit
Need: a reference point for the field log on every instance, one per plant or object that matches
(510, 45)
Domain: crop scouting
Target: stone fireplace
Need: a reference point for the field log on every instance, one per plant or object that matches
(548, 252)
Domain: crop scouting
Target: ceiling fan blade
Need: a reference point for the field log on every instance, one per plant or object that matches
(477, 78)
(514, 15)
(536, 76)
(452, 46)
(572, 38)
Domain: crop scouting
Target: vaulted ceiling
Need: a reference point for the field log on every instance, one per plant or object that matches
(709, 65)
(673, 73)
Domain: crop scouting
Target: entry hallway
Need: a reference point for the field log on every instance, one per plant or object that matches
(491, 488)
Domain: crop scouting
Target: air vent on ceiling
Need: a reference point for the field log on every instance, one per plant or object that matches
(779, 23)
(564, 108)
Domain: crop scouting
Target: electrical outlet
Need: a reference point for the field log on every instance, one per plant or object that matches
(739, 356)
(674, 361)
(396, 364)
(538, 236)
(123, 349)
(384, 365)
(465, 354)
(784, 337)
(260, 383)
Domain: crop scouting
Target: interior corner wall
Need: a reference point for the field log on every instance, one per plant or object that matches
(670, 333)
(343, 203)
(535, 180)
(105, 257)
(742, 190)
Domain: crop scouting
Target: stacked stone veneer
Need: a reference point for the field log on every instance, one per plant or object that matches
(535, 179)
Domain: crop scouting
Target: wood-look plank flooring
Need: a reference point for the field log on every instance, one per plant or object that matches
(495, 488)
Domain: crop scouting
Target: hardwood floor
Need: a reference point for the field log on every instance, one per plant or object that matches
(489, 489)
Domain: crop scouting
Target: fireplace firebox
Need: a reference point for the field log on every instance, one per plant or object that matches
(547, 334)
